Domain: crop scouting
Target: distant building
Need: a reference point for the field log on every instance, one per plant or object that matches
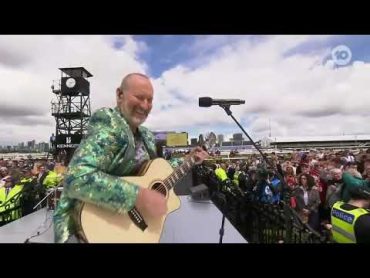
(350, 141)
(43, 147)
(193, 141)
(201, 139)
(238, 137)
(237, 142)
(220, 139)
(265, 142)
(31, 145)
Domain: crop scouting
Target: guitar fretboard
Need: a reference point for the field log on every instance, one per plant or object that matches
(179, 173)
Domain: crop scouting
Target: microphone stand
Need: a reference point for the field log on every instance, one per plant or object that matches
(39, 203)
(54, 190)
(229, 113)
(221, 199)
(222, 229)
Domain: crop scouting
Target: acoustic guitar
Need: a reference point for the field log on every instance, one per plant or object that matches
(100, 225)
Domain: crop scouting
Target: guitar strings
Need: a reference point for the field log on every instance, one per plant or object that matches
(178, 174)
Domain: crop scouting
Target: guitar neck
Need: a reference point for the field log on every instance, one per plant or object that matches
(179, 173)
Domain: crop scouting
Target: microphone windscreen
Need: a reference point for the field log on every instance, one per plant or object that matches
(205, 101)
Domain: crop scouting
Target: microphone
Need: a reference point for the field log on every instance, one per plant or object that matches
(207, 102)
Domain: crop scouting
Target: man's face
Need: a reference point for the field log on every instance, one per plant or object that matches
(289, 170)
(34, 172)
(337, 176)
(4, 172)
(305, 169)
(8, 182)
(135, 103)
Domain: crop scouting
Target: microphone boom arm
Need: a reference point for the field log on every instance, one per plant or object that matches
(228, 112)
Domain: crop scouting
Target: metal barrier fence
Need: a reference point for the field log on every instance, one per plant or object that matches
(266, 223)
(258, 222)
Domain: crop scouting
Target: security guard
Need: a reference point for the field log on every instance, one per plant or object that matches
(52, 179)
(351, 221)
(236, 175)
(221, 172)
(9, 199)
(47, 177)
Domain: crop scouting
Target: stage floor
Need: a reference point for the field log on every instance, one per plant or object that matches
(194, 222)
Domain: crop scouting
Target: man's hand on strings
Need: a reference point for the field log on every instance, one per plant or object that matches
(199, 155)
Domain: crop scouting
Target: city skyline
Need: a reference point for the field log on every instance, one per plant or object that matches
(48, 142)
(297, 85)
(27, 145)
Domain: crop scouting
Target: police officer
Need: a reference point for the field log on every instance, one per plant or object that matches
(221, 172)
(351, 221)
(9, 199)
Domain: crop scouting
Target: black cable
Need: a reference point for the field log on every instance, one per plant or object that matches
(38, 232)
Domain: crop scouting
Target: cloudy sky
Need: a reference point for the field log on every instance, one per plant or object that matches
(299, 85)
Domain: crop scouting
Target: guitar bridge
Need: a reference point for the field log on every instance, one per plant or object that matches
(138, 219)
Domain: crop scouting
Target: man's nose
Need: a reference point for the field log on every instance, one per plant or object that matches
(145, 104)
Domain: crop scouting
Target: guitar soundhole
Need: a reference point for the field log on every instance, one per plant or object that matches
(159, 187)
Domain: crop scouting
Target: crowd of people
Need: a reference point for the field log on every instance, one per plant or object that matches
(24, 183)
(311, 182)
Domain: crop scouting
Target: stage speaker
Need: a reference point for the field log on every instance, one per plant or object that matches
(199, 192)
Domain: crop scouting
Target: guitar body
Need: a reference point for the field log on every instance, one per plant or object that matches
(99, 225)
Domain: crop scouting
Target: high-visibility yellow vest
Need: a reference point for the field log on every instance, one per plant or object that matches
(221, 174)
(8, 203)
(236, 178)
(51, 180)
(25, 180)
(344, 221)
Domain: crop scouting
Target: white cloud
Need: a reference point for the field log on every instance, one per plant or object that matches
(29, 64)
(297, 93)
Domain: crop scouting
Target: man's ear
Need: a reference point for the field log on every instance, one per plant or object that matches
(119, 94)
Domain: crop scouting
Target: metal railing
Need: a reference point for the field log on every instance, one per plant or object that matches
(258, 222)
